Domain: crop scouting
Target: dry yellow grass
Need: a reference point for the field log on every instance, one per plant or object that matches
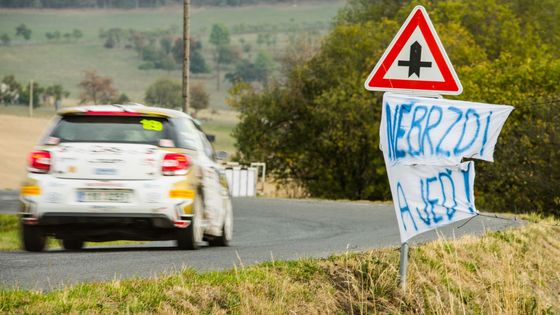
(18, 137)
(508, 272)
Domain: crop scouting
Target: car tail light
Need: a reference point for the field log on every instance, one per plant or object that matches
(175, 164)
(39, 162)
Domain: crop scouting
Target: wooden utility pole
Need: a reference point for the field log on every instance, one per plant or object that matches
(186, 52)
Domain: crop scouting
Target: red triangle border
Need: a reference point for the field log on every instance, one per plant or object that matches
(450, 81)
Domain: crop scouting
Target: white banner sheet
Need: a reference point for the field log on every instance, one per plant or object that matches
(427, 196)
(417, 130)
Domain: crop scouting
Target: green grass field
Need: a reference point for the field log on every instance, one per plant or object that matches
(64, 62)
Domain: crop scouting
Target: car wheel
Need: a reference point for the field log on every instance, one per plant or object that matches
(33, 238)
(190, 237)
(227, 228)
(72, 244)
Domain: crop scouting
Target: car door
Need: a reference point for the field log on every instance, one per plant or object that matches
(213, 195)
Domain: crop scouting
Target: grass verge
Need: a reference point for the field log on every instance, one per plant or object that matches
(506, 272)
(10, 236)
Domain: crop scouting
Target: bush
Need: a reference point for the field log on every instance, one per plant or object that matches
(147, 66)
(165, 93)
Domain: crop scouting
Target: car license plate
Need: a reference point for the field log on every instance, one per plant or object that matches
(118, 196)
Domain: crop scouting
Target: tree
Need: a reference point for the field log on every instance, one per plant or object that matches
(165, 93)
(199, 98)
(10, 90)
(122, 99)
(166, 62)
(113, 37)
(166, 44)
(25, 94)
(110, 42)
(169, 94)
(139, 41)
(77, 34)
(263, 66)
(24, 31)
(57, 92)
(224, 55)
(5, 38)
(97, 89)
(219, 37)
(245, 71)
(319, 127)
(197, 63)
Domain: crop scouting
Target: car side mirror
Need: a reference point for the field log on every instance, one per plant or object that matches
(211, 138)
(221, 155)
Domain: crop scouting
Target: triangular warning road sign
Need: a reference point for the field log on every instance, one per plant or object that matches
(415, 61)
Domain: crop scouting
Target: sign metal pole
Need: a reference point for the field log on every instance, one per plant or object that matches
(403, 266)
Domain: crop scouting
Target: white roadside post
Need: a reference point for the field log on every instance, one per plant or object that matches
(424, 137)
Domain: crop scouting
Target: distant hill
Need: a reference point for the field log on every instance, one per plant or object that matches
(130, 4)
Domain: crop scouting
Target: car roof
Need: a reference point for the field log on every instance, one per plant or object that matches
(119, 109)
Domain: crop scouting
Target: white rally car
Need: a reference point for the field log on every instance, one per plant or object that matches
(124, 172)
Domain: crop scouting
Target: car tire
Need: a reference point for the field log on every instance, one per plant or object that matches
(227, 228)
(72, 244)
(32, 238)
(190, 237)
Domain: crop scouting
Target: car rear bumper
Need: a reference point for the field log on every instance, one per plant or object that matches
(155, 210)
(44, 194)
(101, 219)
(107, 227)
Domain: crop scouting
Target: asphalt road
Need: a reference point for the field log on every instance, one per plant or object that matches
(265, 229)
(8, 201)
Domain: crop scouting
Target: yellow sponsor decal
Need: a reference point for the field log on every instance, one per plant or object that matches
(181, 193)
(30, 191)
(149, 124)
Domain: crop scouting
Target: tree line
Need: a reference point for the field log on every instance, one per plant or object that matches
(319, 127)
(13, 92)
(160, 49)
(130, 4)
(22, 31)
(98, 89)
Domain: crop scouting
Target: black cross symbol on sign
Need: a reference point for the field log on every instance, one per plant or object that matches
(414, 64)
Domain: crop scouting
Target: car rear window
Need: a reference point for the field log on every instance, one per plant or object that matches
(125, 129)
